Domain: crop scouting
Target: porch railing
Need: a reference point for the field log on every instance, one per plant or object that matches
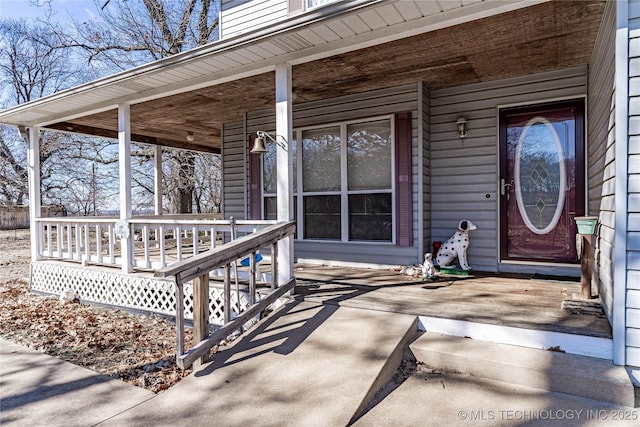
(197, 269)
(157, 241)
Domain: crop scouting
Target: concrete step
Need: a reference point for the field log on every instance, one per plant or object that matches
(588, 377)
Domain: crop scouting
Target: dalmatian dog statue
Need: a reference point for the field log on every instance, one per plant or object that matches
(456, 246)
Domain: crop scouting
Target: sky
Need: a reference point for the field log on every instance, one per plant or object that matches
(80, 9)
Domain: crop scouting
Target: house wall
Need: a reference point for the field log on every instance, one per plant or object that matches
(241, 16)
(600, 155)
(370, 104)
(464, 172)
(633, 186)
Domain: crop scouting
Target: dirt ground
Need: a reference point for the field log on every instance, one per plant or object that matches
(14, 254)
(139, 350)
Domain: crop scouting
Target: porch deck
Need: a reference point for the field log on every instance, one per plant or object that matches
(520, 301)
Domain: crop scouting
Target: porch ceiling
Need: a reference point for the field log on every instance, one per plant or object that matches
(543, 37)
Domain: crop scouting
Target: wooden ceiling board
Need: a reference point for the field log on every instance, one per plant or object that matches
(545, 37)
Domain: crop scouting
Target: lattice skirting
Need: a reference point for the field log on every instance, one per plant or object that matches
(135, 291)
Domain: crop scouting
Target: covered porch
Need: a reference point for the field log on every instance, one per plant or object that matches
(362, 61)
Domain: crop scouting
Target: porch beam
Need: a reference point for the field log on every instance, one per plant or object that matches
(284, 167)
(124, 165)
(32, 137)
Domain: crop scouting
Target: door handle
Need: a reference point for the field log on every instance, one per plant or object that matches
(504, 186)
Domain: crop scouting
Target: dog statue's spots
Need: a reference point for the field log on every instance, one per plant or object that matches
(456, 246)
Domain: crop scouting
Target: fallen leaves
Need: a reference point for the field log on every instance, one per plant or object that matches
(137, 349)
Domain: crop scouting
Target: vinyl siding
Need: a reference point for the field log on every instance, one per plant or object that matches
(633, 209)
(234, 171)
(600, 155)
(426, 170)
(241, 16)
(464, 172)
(361, 106)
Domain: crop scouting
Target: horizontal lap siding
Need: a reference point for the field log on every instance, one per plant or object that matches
(633, 212)
(241, 16)
(234, 171)
(426, 170)
(345, 108)
(464, 173)
(600, 155)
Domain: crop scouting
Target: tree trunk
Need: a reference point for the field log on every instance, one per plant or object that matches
(182, 176)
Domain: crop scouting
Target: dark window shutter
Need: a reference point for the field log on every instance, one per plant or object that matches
(255, 182)
(295, 6)
(404, 176)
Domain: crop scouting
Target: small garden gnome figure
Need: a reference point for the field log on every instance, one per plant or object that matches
(428, 270)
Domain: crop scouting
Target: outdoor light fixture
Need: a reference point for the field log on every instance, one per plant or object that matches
(259, 144)
(190, 136)
(461, 123)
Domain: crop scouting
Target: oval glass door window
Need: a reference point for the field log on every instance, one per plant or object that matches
(539, 176)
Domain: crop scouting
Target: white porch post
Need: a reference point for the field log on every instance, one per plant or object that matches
(157, 177)
(622, 82)
(284, 162)
(33, 166)
(124, 155)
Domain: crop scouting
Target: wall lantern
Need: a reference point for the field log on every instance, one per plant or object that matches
(461, 123)
(190, 136)
(259, 144)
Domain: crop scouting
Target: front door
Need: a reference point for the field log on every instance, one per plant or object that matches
(541, 181)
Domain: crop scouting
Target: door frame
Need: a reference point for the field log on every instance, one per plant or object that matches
(579, 103)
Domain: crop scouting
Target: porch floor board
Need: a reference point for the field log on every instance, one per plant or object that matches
(520, 301)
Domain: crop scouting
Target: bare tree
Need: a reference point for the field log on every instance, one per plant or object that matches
(40, 60)
(29, 69)
(132, 32)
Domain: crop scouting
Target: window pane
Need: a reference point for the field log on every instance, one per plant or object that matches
(369, 155)
(370, 217)
(270, 208)
(269, 171)
(321, 159)
(316, 3)
(322, 217)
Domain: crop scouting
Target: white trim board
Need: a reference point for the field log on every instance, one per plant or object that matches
(601, 348)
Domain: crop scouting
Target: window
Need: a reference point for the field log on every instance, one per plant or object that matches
(369, 180)
(295, 7)
(270, 181)
(346, 176)
(316, 3)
